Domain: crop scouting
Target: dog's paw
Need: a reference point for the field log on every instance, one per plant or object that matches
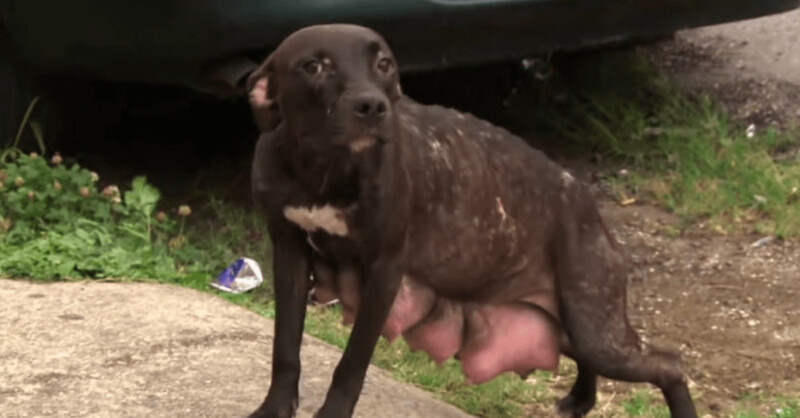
(271, 409)
(335, 407)
(263, 413)
(328, 414)
(573, 406)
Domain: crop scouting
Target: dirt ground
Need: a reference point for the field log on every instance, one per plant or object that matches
(751, 67)
(731, 303)
(732, 307)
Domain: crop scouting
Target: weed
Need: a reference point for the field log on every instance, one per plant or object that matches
(55, 224)
(686, 155)
(775, 407)
(747, 413)
(640, 404)
(12, 149)
(790, 408)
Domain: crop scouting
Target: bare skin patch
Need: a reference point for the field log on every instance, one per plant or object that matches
(567, 178)
(500, 209)
(327, 218)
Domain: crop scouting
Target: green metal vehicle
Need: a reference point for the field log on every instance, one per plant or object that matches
(210, 45)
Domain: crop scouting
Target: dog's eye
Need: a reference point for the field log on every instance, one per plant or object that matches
(312, 67)
(385, 65)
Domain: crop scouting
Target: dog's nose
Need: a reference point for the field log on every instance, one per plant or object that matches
(370, 105)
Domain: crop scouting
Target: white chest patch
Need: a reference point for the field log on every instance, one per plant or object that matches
(327, 218)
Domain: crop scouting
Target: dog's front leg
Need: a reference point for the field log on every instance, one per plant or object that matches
(291, 267)
(380, 289)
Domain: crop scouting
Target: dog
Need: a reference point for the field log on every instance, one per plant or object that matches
(433, 225)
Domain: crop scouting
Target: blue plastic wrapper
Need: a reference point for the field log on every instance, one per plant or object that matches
(242, 275)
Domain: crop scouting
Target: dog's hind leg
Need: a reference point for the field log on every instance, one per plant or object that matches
(582, 396)
(592, 296)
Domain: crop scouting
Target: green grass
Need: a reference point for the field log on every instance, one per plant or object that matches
(641, 404)
(648, 403)
(684, 154)
(789, 410)
(769, 406)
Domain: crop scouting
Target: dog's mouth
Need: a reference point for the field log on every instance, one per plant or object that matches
(362, 143)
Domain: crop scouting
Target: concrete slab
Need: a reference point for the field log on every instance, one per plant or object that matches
(92, 349)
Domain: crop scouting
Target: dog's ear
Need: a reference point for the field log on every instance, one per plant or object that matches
(262, 93)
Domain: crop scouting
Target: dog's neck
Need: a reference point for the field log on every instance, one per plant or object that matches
(328, 174)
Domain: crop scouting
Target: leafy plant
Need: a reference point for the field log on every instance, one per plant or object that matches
(54, 223)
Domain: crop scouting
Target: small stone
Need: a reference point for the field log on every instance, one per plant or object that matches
(762, 242)
(751, 130)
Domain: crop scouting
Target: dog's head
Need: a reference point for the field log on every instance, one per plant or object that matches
(331, 85)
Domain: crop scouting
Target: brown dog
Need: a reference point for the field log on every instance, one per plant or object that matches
(430, 224)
